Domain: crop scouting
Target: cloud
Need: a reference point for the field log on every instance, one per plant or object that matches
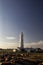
(10, 38)
(38, 44)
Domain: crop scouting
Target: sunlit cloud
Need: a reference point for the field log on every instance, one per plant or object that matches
(10, 38)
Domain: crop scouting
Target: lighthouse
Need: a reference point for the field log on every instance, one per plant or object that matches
(21, 48)
(22, 45)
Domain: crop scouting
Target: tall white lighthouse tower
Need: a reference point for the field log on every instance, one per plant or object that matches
(21, 48)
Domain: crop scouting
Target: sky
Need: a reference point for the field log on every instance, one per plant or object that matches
(18, 16)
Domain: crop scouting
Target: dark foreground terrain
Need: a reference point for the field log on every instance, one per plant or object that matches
(21, 59)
